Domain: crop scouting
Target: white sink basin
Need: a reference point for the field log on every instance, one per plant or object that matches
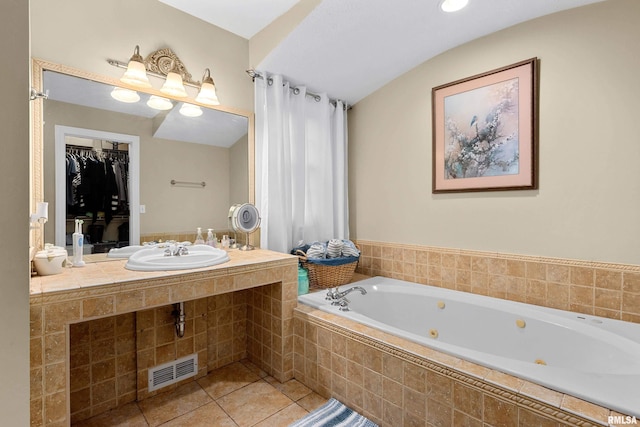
(124, 252)
(127, 251)
(154, 259)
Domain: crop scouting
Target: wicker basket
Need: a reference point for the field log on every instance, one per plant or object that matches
(322, 275)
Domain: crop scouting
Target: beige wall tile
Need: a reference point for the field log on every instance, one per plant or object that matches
(55, 378)
(558, 295)
(631, 282)
(96, 307)
(56, 316)
(581, 295)
(583, 276)
(516, 268)
(480, 264)
(631, 303)
(392, 367)
(558, 273)
(439, 388)
(499, 412)
(608, 279)
(467, 400)
(535, 270)
(439, 414)
(608, 299)
(129, 301)
(414, 377)
(391, 414)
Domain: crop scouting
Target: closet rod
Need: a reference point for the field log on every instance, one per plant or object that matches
(84, 147)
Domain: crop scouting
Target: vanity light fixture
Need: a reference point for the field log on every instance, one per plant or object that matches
(165, 64)
(136, 74)
(453, 5)
(190, 110)
(125, 95)
(207, 94)
(159, 103)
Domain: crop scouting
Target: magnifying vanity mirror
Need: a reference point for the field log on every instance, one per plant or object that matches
(163, 172)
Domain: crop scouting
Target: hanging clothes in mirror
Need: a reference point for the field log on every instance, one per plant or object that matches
(96, 183)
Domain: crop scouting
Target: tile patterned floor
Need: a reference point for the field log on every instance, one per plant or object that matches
(236, 395)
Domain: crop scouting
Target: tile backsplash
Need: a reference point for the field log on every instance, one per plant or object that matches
(595, 288)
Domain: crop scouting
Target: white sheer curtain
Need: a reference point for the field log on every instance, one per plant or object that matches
(301, 166)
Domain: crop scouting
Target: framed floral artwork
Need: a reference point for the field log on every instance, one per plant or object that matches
(485, 131)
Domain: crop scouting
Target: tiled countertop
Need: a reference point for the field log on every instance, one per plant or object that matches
(100, 271)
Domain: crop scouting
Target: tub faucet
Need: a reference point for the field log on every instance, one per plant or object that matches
(335, 295)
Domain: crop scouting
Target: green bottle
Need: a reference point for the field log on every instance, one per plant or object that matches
(303, 281)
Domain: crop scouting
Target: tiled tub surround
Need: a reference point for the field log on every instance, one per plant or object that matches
(102, 291)
(601, 289)
(396, 382)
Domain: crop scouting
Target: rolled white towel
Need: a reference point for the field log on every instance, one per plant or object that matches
(334, 248)
(349, 249)
(317, 250)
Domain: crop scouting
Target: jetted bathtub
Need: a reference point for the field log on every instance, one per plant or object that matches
(593, 358)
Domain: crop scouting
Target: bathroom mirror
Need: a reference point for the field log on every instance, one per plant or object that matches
(188, 170)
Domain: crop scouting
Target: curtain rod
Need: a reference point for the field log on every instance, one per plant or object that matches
(256, 75)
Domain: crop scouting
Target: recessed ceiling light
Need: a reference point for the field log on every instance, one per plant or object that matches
(453, 5)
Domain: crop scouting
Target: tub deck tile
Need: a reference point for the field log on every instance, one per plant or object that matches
(543, 394)
(505, 380)
(584, 409)
(472, 369)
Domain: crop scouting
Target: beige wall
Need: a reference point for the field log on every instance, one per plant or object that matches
(589, 196)
(83, 34)
(239, 173)
(183, 207)
(14, 162)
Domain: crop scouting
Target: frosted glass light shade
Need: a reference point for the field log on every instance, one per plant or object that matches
(207, 94)
(136, 74)
(125, 95)
(453, 5)
(159, 103)
(173, 85)
(190, 110)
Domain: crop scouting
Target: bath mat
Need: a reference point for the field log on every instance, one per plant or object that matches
(333, 414)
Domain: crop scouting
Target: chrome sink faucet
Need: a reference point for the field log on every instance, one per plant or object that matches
(176, 250)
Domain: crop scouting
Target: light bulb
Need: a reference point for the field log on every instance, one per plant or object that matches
(125, 95)
(159, 103)
(207, 94)
(173, 86)
(136, 74)
(190, 110)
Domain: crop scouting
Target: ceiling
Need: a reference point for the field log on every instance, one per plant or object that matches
(351, 48)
